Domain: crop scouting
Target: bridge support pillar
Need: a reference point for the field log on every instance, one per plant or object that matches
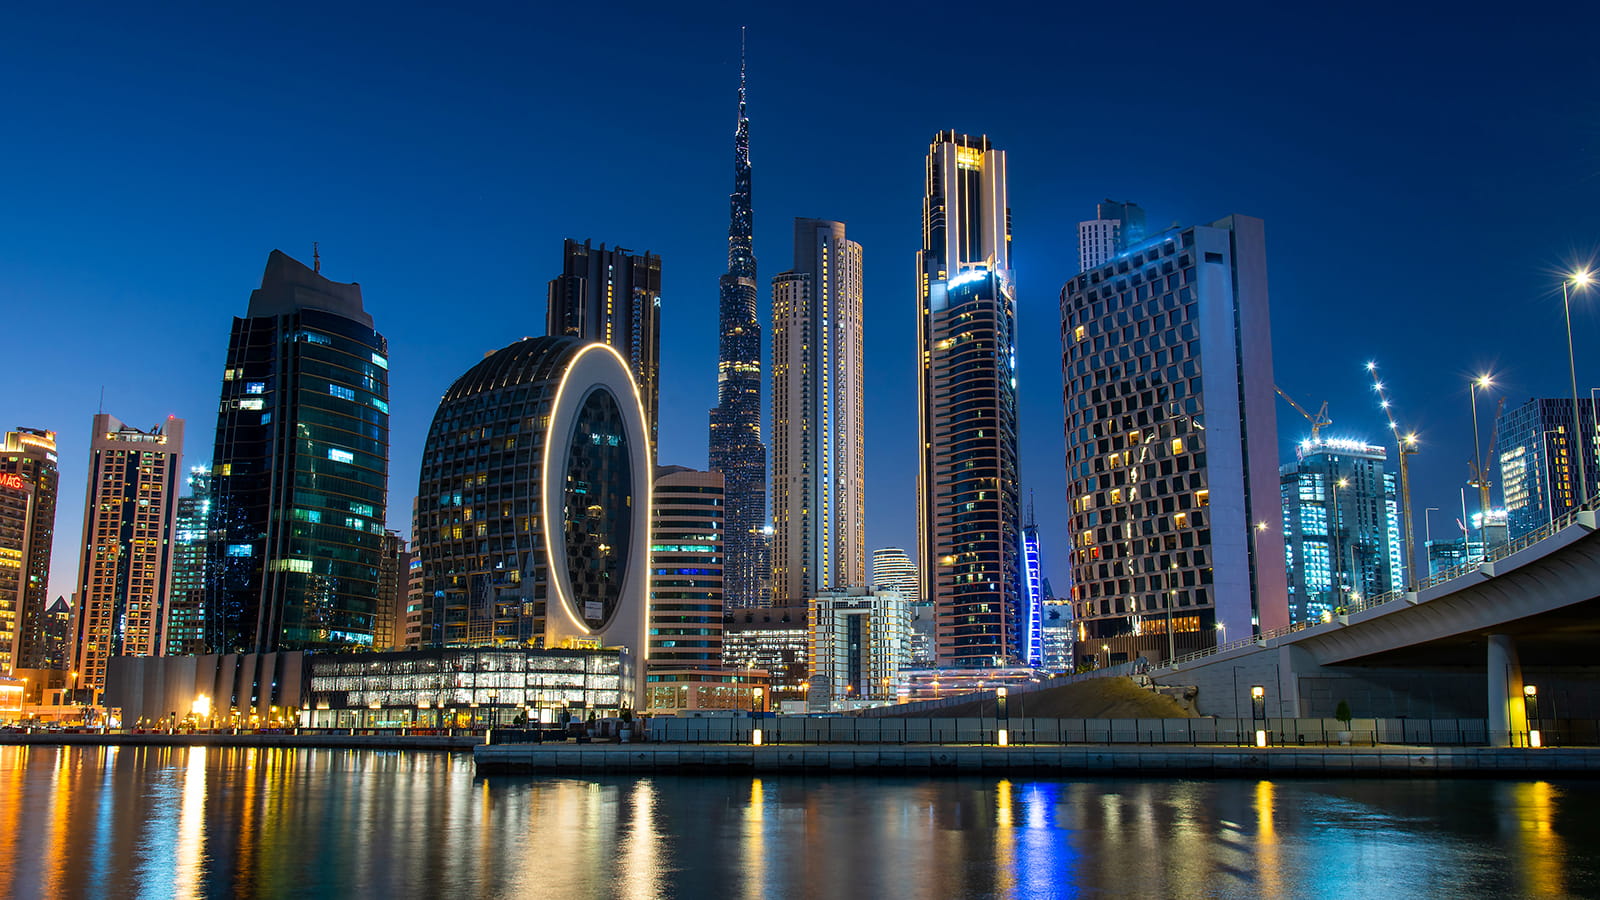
(1508, 717)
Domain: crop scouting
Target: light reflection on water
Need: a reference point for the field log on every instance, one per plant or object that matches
(165, 822)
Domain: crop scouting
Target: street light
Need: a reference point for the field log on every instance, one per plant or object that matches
(1258, 712)
(755, 733)
(1002, 717)
(1530, 697)
(1479, 466)
(1333, 533)
(1580, 279)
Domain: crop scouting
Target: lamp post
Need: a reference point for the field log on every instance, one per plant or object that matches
(1479, 466)
(1580, 278)
(756, 708)
(1333, 534)
(1258, 713)
(1002, 717)
(1530, 697)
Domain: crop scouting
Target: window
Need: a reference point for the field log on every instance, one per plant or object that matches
(240, 550)
(339, 390)
(255, 387)
(343, 456)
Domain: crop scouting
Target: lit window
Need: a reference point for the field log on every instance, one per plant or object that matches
(343, 456)
(255, 387)
(240, 550)
(254, 403)
(1177, 445)
(380, 361)
(380, 405)
(339, 390)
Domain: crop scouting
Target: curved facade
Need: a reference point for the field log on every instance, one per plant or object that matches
(533, 503)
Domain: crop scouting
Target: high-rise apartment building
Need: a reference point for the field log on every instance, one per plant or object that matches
(969, 527)
(1114, 228)
(186, 602)
(859, 643)
(1341, 527)
(533, 514)
(125, 573)
(300, 469)
(686, 559)
(818, 417)
(29, 479)
(736, 449)
(613, 296)
(1538, 453)
(893, 570)
(1171, 437)
(394, 583)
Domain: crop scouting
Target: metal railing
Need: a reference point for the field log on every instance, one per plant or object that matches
(1503, 551)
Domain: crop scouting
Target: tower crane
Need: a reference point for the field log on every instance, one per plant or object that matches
(1318, 421)
(1479, 469)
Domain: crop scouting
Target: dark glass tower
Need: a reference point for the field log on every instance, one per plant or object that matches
(736, 448)
(613, 296)
(300, 469)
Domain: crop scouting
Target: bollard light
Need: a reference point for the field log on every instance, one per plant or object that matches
(1005, 737)
(1261, 738)
(755, 737)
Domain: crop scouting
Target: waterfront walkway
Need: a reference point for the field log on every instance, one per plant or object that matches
(390, 741)
(1099, 760)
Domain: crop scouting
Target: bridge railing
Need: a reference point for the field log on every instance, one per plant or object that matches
(1495, 554)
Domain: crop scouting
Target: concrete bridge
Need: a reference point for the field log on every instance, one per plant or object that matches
(1465, 643)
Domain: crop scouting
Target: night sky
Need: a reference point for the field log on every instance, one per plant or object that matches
(1424, 180)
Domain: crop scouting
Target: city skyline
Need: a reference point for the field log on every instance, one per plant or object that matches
(45, 258)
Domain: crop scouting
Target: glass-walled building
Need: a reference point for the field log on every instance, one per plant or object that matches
(1341, 527)
(300, 469)
(1538, 450)
(29, 479)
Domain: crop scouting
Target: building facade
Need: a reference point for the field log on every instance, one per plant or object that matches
(894, 570)
(394, 584)
(186, 602)
(613, 296)
(125, 570)
(686, 558)
(1033, 596)
(818, 417)
(775, 640)
(736, 449)
(1114, 228)
(1341, 527)
(300, 469)
(860, 642)
(533, 503)
(29, 481)
(968, 503)
(1538, 460)
(1171, 445)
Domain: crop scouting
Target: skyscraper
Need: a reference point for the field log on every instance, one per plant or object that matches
(1341, 526)
(893, 570)
(394, 582)
(736, 449)
(1114, 228)
(686, 558)
(186, 602)
(300, 469)
(129, 521)
(818, 421)
(29, 479)
(1033, 596)
(1171, 437)
(1538, 477)
(533, 513)
(613, 296)
(969, 528)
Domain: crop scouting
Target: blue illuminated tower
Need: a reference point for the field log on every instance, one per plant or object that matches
(1032, 637)
(736, 449)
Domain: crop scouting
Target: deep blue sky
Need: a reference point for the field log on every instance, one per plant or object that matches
(1423, 179)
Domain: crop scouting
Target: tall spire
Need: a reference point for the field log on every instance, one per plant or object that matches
(741, 243)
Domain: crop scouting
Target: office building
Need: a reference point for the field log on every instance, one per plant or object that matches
(1058, 632)
(860, 642)
(130, 515)
(533, 504)
(1538, 476)
(686, 556)
(968, 515)
(1341, 527)
(736, 449)
(893, 570)
(775, 640)
(186, 602)
(299, 470)
(1114, 228)
(29, 480)
(394, 584)
(613, 296)
(1171, 439)
(818, 417)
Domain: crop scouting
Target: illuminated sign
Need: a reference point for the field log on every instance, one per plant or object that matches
(13, 481)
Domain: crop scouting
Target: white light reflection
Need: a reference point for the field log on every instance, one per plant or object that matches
(753, 862)
(191, 828)
(640, 851)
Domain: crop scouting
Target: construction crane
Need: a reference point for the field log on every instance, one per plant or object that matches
(1406, 445)
(1318, 421)
(1479, 469)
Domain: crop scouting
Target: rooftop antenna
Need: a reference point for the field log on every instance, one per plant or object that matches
(102, 409)
(1032, 522)
(316, 257)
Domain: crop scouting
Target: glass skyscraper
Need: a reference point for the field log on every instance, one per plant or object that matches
(1538, 476)
(29, 480)
(1341, 527)
(969, 541)
(186, 604)
(300, 469)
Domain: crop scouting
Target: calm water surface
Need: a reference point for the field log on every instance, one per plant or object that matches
(159, 822)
